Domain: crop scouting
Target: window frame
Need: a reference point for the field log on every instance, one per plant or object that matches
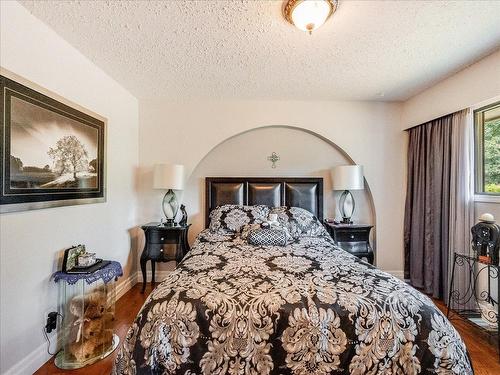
(478, 118)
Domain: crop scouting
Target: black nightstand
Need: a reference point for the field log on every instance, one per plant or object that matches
(157, 236)
(354, 238)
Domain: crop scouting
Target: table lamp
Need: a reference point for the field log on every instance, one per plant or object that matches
(346, 178)
(169, 177)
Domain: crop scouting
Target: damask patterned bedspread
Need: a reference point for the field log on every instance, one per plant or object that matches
(307, 308)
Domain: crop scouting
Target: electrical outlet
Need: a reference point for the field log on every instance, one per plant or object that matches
(51, 321)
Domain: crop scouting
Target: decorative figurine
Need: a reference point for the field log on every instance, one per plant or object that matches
(272, 220)
(184, 218)
(486, 239)
(86, 259)
(487, 218)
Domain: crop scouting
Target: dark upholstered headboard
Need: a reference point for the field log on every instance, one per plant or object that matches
(304, 192)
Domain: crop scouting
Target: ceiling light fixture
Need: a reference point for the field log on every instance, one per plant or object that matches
(308, 15)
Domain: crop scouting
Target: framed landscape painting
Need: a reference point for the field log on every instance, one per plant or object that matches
(52, 153)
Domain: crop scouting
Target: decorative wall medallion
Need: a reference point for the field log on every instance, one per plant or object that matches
(273, 159)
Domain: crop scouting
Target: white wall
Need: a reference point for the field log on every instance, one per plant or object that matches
(31, 241)
(369, 132)
(246, 155)
(185, 132)
(475, 84)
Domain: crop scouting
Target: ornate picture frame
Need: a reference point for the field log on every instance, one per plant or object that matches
(52, 151)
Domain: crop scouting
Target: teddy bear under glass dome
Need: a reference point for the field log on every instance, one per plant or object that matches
(87, 304)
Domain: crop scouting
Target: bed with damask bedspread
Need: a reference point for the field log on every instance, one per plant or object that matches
(305, 308)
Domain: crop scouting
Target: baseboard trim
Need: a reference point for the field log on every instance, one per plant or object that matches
(159, 276)
(32, 362)
(398, 274)
(125, 284)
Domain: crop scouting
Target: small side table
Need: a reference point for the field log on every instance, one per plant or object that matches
(472, 294)
(157, 236)
(87, 302)
(353, 238)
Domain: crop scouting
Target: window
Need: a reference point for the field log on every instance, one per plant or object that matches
(487, 149)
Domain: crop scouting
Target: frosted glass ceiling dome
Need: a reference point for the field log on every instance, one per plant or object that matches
(309, 15)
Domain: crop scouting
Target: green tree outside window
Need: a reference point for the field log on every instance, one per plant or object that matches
(488, 150)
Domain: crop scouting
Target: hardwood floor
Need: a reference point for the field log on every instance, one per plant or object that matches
(483, 353)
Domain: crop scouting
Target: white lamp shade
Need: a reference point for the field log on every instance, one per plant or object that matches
(348, 177)
(168, 176)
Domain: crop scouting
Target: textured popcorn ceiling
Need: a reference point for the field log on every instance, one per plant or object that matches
(369, 50)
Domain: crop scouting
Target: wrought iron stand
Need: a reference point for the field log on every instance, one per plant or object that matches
(467, 303)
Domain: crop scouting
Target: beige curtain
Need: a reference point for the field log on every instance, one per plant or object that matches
(461, 194)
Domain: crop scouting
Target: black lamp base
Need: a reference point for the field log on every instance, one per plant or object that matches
(346, 220)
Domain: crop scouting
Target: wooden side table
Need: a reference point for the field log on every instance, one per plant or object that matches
(353, 238)
(157, 236)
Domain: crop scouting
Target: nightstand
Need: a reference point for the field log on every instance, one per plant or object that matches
(354, 238)
(155, 249)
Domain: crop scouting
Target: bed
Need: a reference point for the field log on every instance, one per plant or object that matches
(304, 308)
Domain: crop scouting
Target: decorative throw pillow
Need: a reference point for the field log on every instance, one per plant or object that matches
(231, 218)
(267, 237)
(299, 222)
(245, 231)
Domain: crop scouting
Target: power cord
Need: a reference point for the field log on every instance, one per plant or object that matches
(44, 330)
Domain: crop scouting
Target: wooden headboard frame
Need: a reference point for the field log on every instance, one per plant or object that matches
(304, 192)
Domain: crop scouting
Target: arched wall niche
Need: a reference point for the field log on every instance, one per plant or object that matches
(302, 153)
(370, 133)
